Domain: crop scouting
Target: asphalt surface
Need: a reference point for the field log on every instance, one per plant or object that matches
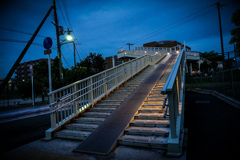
(213, 128)
(19, 132)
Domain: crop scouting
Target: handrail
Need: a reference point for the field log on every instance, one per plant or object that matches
(97, 74)
(175, 88)
(170, 81)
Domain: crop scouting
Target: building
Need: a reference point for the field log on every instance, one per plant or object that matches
(111, 61)
(193, 62)
(173, 45)
(151, 48)
(23, 71)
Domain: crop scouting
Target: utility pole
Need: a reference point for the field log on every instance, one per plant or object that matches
(129, 44)
(58, 40)
(220, 26)
(74, 48)
(10, 73)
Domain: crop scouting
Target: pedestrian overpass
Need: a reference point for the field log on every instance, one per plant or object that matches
(138, 103)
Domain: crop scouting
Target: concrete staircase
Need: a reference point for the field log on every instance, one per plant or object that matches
(149, 127)
(87, 122)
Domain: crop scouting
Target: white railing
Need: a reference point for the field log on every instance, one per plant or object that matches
(69, 101)
(175, 89)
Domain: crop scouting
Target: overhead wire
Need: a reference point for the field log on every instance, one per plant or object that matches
(70, 26)
(184, 20)
(17, 31)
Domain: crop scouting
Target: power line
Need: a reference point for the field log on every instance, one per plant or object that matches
(17, 31)
(184, 20)
(65, 60)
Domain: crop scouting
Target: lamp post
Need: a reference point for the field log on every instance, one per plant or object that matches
(69, 39)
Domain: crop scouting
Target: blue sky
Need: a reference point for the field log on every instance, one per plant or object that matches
(103, 26)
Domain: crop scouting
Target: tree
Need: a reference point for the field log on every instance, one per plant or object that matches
(94, 63)
(212, 58)
(236, 32)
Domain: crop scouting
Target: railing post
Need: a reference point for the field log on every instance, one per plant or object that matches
(172, 114)
(116, 77)
(106, 83)
(125, 73)
(53, 114)
(76, 101)
(91, 95)
(48, 132)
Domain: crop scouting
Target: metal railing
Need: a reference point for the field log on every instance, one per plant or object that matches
(69, 101)
(175, 89)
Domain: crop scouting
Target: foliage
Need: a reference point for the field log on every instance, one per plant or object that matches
(25, 88)
(236, 32)
(210, 61)
(94, 63)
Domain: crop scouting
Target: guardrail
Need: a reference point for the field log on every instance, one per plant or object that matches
(175, 89)
(69, 101)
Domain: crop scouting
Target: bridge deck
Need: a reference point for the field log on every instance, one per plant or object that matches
(104, 138)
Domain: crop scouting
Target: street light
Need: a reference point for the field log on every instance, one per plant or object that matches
(69, 37)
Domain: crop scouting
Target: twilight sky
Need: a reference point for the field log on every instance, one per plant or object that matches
(103, 26)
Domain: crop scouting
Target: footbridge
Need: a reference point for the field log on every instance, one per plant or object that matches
(138, 103)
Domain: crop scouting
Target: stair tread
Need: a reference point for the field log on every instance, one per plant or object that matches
(151, 121)
(89, 120)
(158, 110)
(144, 139)
(101, 109)
(72, 132)
(96, 113)
(148, 129)
(82, 125)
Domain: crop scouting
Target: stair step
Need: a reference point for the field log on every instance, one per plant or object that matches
(95, 114)
(144, 141)
(152, 105)
(150, 110)
(155, 98)
(98, 109)
(72, 134)
(103, 105)
(111, 101)
(150, 123)
(114, 98)
(154, 101)
(150, 116)
(147, 131)
(81, 127)
(88, 120)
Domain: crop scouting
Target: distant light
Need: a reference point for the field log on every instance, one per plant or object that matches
(177, 51)
(168, 53)
(69, 37)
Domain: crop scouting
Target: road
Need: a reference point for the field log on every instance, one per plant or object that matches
(213, 128)
(18, 132)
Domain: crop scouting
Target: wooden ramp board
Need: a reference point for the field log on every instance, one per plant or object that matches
(104, 138)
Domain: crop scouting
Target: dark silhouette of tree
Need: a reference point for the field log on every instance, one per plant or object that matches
(236, 32)
(94, 63)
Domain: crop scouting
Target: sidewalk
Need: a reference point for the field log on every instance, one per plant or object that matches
(11, 114)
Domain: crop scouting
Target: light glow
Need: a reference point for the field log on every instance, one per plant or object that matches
(69, 37)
